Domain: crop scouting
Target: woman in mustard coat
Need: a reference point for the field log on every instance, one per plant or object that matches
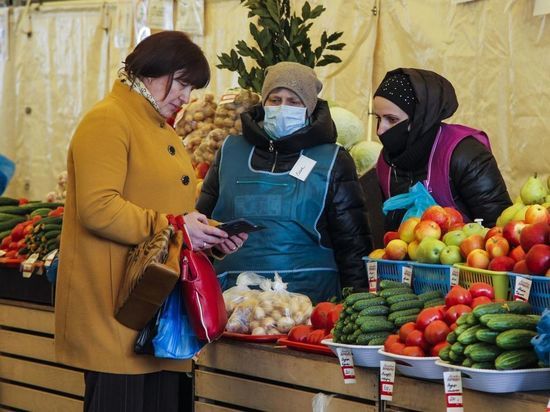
(127, 169)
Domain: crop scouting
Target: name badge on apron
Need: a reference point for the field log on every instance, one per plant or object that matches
(302, 168)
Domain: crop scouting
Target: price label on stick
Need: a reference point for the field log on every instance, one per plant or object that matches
(453, 391)
(455, 272)
(387, 379)
(522, 288)
(372, 273)
(406, 274)
(345, 356)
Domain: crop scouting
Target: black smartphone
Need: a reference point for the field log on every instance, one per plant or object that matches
(241, 225)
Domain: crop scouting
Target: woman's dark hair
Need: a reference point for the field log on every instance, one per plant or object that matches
(165, 53)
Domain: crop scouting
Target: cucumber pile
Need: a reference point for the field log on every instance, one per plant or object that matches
(494, 336)
(403, 303)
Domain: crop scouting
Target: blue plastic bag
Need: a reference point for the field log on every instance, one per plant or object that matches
(175, 339)
(541, 342)
(416, 201)
(7, 169)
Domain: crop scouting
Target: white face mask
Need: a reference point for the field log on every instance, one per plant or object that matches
(280, 121)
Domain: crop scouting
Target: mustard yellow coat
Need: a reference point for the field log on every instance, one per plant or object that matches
(127, 169)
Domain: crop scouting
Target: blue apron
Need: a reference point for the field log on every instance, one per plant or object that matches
(289, 209)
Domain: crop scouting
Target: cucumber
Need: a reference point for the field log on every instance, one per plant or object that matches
(51, 220)
(471, 319)
(451, 337)
(52, 244)
(404, 319)
(355, 297)
(516, 359)
(375, 311)
(13, 210)
(409, 304)
(431, 295)
(434, 302)
(517, 307)
(458, 348)
(353, 317)
(462, 328)
(386, 293)
(515, 339)
(349, 310)
(377, 326)
(365, 338)
(7, 216)
(388, 284)
(462, 319)
(483, 365)
(42, 211)
(377, 341)
(469, 335)
(5, 233)
(52, 234)
(349, 328)
(467, 362)
(444, 353)
(8, 201)
(401, 298)
(354, 336)
(367, 303)
(10, 224)
(394, 315)
(39, 205)
(487, 335)
(362, 319)
(502, 322)
(483, 352)
(456, 358)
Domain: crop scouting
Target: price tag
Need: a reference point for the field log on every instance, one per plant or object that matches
(522, 288)
(48, 259)
(548, 406)
(406, 274)
(302, 168)
(2, 253)
(387, 379)
(345, 356)
(28, 265)
(455, 272)
(372, 273)
(453, 391)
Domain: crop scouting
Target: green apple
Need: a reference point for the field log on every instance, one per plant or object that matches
(429, 249)
(473, 228)
(454, 237)
(450, 255)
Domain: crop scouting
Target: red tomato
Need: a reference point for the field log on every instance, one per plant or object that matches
(481, 289)
(416, 338)
(390, 340)
(333, 316)
(299, 333)
(397, 348)
(319, 316)
(480, 300)
(11, 253)
(23, 201)
(405, 330)
(453, 326)
(415, 351)
(315, 337)
(435, 350)
(458, 295)
(436, 332)
(427, 316)
(454, 312)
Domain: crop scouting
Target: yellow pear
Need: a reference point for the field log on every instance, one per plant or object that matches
(533, 191)
(509, 213)
(520, 214)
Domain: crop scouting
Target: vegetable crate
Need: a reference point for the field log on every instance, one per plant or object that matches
(389, 269)
(539, 296)
(498, 280)
(428, 277)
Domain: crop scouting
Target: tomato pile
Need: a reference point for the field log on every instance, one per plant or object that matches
(323, 318)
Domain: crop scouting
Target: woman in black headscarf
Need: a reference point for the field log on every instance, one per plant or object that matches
(453, 161)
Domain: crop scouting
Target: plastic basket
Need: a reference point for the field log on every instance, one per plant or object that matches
(389, 269)
(539, 296)
(428, 277)
(366, 356)
(416, 367)
(498, 280)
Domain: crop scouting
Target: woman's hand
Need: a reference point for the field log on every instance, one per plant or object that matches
(232, 244)
(203, 236)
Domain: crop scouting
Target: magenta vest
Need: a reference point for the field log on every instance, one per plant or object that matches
(437, 180)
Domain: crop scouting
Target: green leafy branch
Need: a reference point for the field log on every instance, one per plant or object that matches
(280, 35)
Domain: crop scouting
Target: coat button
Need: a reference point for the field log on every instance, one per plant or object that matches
(171, 150)
(185, 180)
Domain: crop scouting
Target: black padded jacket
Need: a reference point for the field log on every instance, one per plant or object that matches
(343, 223)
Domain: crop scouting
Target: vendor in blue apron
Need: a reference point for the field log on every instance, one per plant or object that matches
(286, 173)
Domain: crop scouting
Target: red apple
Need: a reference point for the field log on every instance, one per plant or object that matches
(427, 228)
(478, 258)
(520, 267)
(497, 246)
(389, 236)
(438, 215)
(406, 229)
(396, 249)
(455, 217)
(538, 259)
(532, 235)
(470, 243)
(480, 300)
(497, 230)
(456, 226)
(502, 264)
(536, 214)
(512, 231)
(517, 253)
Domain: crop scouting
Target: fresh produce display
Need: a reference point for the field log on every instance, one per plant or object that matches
(323, 318)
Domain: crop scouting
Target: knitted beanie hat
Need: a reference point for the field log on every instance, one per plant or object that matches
(397, 88)
(296, 77)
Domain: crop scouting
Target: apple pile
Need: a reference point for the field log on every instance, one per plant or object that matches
(323, 318)
(428, 334)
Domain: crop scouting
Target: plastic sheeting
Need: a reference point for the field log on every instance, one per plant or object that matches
(495, 52)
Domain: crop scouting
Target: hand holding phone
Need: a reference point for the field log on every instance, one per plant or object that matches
(241, 225)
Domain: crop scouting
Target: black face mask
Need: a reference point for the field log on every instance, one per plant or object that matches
(395, 139)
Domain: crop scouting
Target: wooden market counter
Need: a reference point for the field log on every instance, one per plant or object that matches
(229, 375)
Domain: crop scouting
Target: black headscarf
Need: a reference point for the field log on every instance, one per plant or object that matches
(435, 101)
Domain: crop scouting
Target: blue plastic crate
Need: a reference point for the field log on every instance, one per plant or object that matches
(428, 277)
(539, 296)
(389, 269)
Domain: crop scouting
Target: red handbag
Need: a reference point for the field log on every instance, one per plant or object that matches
(201, 290)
